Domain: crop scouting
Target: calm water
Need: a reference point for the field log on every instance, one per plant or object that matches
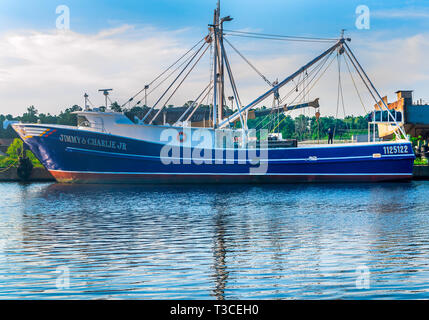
(214, 242)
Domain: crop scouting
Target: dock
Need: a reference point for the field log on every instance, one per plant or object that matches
(37, 175)
(421, 172)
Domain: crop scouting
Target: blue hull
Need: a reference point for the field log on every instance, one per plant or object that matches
(78, 156)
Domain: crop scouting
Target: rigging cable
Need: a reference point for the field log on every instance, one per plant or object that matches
(233, 86)
(273, 38)
(354, 83)
(162, 73)
(87, 99)
(289, 93)
(278, 37)
(249, 63)
(166, 78)
(181, 82)
(338, 103)
(381, 102)
(362, 78)
(108, 98)
(315, 70)
(169, 87)
(198, 105)
(317, 80)
(14, 162)
(317, 67)
(340, 94)
(341, 88)
(193, 103)
(170, 74)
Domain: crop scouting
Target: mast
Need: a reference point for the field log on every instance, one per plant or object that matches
(219, 67)
(215, 65)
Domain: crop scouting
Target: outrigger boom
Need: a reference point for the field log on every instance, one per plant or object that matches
(281, 84)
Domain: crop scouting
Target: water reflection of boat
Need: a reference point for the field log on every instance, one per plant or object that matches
(109, 147)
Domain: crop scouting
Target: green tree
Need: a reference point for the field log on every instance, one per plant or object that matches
(116, 107)
(30, 116)
(287, 127)
(68, 117)
(47, 118)
(13, 152)
(301, 127)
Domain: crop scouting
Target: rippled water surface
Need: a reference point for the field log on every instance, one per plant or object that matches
(214, 242)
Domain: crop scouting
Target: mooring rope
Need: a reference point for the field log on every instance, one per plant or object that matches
(11, 165)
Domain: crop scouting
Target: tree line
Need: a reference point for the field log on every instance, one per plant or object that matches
(305, 127)
(32, 115)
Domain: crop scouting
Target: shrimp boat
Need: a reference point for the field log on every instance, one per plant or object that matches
(213, 145)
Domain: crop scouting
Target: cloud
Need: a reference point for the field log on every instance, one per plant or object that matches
(52, 70)
(401, 14)
(115, 31)
(399, 63)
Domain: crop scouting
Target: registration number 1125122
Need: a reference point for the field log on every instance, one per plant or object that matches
(395, 149)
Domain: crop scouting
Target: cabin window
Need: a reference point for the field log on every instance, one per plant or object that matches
(82, 121)
(398, 116)
(377, 116)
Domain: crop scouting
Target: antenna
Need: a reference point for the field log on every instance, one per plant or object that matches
(145, 94)
(86, 101)
(106, 93)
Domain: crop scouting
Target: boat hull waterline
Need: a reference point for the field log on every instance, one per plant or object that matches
(93, 157)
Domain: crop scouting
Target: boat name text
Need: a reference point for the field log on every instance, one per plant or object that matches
(111, 144)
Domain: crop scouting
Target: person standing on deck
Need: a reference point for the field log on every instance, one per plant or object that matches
(330, 136)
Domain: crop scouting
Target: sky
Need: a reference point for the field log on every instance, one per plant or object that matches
(125, 44)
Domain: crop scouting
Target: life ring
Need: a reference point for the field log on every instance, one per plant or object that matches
(181, 136)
